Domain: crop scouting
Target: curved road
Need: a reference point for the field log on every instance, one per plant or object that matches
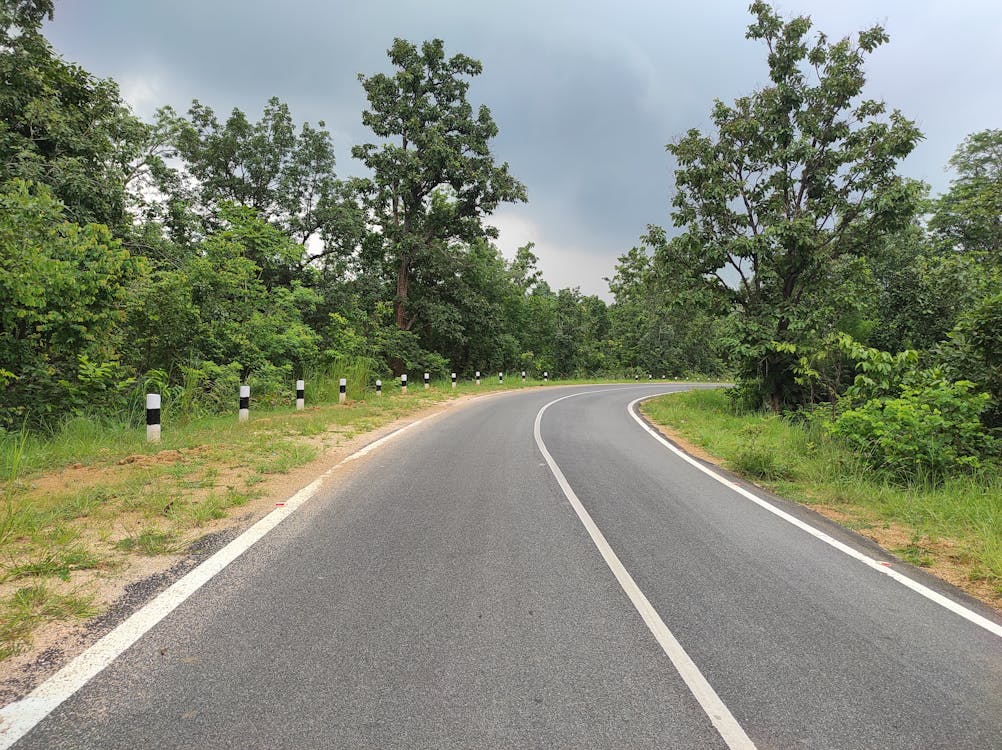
(459, 588)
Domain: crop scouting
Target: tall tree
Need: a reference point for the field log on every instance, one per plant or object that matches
(434, 177)
(58, 124)
(969, 216)
(286, 177)
(796, 175)
(62, 289)
(661, 321)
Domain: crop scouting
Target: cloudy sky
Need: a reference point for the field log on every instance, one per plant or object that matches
(586, 94)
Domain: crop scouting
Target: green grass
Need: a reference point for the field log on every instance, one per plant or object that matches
(151, 541)
(30, 606)
(281, 458)
(55, 561)
(915, 554)
(198, 514)
(800, 462)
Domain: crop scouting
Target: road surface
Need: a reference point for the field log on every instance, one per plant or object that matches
(459, 588)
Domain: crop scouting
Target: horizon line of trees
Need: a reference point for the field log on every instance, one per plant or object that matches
(196, 250)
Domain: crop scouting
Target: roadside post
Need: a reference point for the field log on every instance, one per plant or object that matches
(244, 413)
(153, 417)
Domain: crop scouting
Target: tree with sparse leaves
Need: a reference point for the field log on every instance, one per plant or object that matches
(795, 176)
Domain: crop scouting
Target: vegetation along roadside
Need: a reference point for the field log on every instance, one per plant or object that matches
(91, 510)
(951, 526)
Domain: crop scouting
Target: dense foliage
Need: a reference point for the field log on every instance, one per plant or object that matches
(829, 285)
(194, 252)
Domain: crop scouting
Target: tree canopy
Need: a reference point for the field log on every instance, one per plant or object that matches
(197, 250)
(434, 177)
(795, 176)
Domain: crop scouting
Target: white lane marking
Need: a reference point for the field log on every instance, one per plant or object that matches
(19, 717)
(720, 716)
(377, 443)
(870, 562)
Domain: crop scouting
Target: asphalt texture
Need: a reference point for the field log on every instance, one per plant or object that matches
(445, 595)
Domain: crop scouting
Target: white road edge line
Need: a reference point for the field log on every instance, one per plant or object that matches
(19, 717)
(870, 562)
(720, 716)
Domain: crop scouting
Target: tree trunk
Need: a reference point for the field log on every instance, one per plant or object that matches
(397, 365)
(400, 304)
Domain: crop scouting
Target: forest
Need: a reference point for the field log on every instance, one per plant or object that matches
(201, 250)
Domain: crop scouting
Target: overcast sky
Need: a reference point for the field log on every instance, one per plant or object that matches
(586, 94)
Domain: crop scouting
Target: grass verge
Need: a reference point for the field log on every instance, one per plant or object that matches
(94, 500)
(954, 529)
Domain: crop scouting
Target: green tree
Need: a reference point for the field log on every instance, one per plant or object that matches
(661, 321)
(974, 352)
(915, 293)
(59, 125)
(969, 216)
(216, 308)
(434, 177)
(18, 16)
(286, 177)
(62, 291)
(796, 176)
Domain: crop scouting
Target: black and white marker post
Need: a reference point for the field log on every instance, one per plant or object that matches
(342, 390)
(546, 377)
(523, 376)
(478, 377)
(379, 387)
(403, 383)
(300, 395)
(152, 417)
(453, 380)
(244, 413)
(427, 381)
(501, 378)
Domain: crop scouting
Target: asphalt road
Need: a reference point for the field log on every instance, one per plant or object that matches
(446, 594)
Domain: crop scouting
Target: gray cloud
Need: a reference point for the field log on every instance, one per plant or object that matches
(586, 94)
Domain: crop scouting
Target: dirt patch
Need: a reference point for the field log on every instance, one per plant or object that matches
(79, 476)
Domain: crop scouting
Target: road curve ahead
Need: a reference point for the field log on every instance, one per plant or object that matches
(536, 570)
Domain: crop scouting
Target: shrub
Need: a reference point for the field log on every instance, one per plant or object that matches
(757, 458)
(930, 430)
(974, 352)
